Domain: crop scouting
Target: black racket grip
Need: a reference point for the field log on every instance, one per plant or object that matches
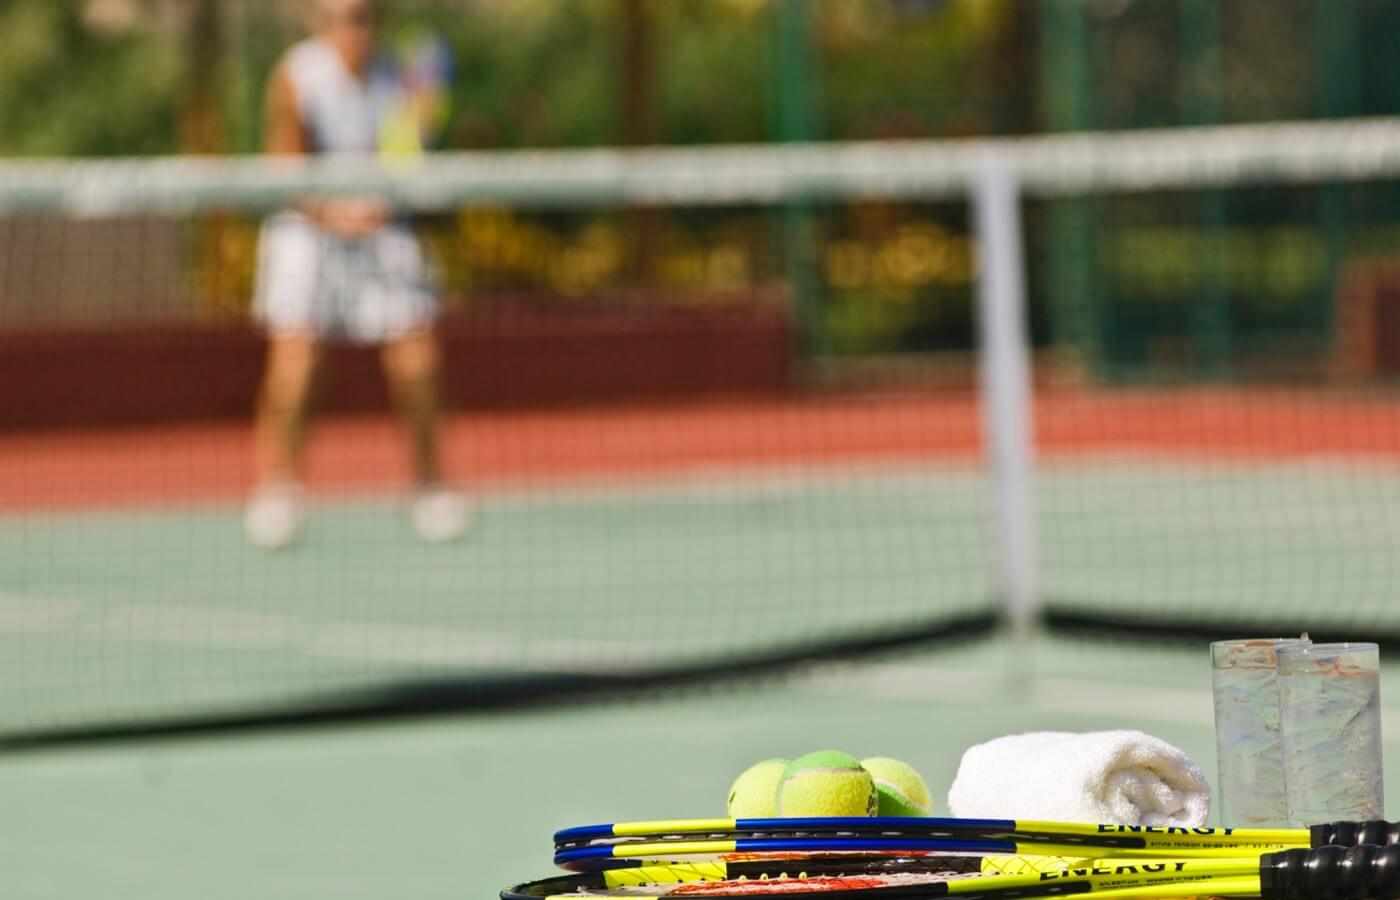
(1350, 834)
(1363, 872)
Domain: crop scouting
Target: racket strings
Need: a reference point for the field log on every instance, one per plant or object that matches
(803, 883)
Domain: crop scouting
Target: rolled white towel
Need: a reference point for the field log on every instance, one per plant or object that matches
(1116, 777)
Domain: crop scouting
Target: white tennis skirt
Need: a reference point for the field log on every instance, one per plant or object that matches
(367, 290)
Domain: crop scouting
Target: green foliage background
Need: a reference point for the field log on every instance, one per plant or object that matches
(549, 73)
(531, 73)
(68, 89)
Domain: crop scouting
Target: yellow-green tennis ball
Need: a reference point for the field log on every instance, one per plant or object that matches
(754, 794)
(900, 788)
(826, 783)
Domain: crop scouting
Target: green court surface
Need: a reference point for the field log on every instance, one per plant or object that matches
(457, 808)
(138, 613)
(124, 614)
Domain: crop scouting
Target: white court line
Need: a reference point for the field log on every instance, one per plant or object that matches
(702, 482)
(721, 482)
(1148, 457)
(390, 643)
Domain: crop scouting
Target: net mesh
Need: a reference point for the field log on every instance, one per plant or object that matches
(717, 408)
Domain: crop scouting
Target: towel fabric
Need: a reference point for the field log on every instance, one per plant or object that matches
(1116, 777)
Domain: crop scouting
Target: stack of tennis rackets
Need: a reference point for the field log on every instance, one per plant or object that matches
(996, 859)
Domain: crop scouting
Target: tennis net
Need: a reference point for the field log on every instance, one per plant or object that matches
(722, 410)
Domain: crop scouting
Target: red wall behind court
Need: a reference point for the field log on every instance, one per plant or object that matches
(519, 359)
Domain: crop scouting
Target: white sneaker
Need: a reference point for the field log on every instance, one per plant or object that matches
(274, 516)
(440, 514)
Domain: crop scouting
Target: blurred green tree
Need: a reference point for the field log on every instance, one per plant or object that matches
(923, 68)
(72, 82)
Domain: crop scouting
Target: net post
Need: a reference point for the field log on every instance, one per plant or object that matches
(1004, 361)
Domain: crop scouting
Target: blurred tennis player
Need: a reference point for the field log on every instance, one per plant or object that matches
(343, 269)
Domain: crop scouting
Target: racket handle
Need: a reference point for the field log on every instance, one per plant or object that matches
(1363, 872)
(1349, 834)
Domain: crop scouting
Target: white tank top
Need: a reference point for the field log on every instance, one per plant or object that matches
(339, 112)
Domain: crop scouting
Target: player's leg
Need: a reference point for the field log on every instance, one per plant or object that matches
(397, 309)
(290, 262)
(284, 407)
(412, 363)
(275, 512)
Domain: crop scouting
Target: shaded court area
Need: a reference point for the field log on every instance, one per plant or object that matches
(458, 808)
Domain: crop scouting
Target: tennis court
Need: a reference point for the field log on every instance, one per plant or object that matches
(136, 610)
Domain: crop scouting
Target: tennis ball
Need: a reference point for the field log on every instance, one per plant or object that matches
(901, 790)
(826, 783)
(753, 795)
